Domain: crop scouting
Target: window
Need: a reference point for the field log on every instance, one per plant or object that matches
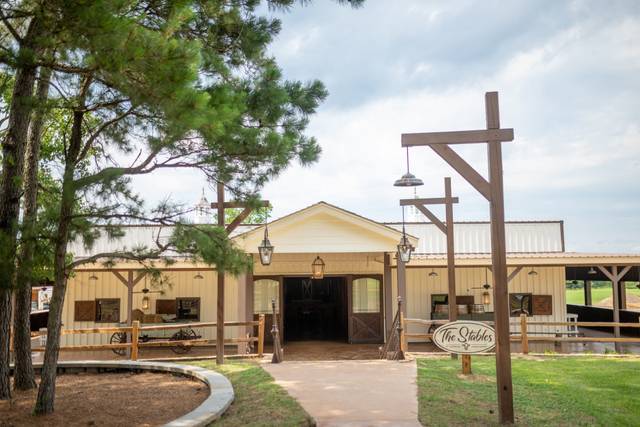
(264, 290)
(188, 309)
(520, 304)
(438, 299)
(108, 310)
(366, 295)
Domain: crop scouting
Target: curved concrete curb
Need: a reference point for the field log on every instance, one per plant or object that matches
(220, 389)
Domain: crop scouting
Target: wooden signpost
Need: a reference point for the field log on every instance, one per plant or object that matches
(492, 189)
(447, 228)
(221, 205)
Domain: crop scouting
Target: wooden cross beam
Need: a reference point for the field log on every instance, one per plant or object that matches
(493, 190)
(420, 205)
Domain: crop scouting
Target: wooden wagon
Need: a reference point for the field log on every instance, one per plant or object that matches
(183, 334)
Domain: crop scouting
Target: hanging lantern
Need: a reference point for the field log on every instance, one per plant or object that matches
(486, 298)
(145, 302)
(265, 250)
(404, 247)
(317, 268)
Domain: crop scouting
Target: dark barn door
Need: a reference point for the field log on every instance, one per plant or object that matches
(365, 309)
(315, 309)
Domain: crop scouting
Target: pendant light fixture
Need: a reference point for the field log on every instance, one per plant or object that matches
(592, 271)
(433, 273)
(145, 294)
(93, 277)
(317, 268)
(408, 179)
(265, 250)
(532, 272)
(404, 247)
(198, 276)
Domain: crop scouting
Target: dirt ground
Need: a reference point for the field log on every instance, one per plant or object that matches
(109, 399)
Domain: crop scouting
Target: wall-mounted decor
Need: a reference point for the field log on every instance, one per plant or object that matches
(542, 305)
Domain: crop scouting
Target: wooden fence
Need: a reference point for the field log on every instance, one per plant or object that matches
(525, 337)
(136, 329)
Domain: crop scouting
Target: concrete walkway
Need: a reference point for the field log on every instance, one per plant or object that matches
(352, 392)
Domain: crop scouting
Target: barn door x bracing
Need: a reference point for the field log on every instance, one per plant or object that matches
(365, 309)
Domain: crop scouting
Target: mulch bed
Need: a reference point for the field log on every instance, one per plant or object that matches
(109, 399)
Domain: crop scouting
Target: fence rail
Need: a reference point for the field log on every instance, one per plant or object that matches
(524, 336)
(136, 329)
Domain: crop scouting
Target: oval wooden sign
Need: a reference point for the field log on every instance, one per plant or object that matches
(465, 337)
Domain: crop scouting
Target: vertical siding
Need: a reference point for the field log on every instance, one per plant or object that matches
(181, 284)
(420, 287)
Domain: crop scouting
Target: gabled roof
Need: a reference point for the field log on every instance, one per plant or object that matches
(354, 227)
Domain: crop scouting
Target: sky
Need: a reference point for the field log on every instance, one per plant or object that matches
(568, 77)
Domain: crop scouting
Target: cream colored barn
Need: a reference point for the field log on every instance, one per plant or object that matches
(355, 301)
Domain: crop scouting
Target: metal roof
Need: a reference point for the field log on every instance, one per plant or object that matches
(475, 237)
(136, 236)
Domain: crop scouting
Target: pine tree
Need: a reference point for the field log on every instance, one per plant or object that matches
(148, 86)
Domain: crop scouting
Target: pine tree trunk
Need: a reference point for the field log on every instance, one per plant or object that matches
(23, 374)
(10, 187)
(5, 321)
(46, 390)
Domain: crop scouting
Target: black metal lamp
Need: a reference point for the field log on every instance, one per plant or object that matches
(532, 272)
(265, 250)
(408, 179)
(433, 273)
(317, 268)
(404, 247)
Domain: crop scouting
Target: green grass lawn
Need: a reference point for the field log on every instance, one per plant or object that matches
(549, 391)
(259, 400)
(576, 296)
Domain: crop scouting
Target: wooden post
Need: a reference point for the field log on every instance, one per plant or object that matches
(614, 276)
(499, 263)
(493, 191)
(403, 334)
(388, 296)
(260, 335)
(523, 334)
(451, 267)
(220, 274)
(135, 333)
(402, 283)
(587, 293)
(466, 364)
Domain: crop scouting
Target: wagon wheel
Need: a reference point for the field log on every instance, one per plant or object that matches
(119, 338)
(183, 335)
(432, 329)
